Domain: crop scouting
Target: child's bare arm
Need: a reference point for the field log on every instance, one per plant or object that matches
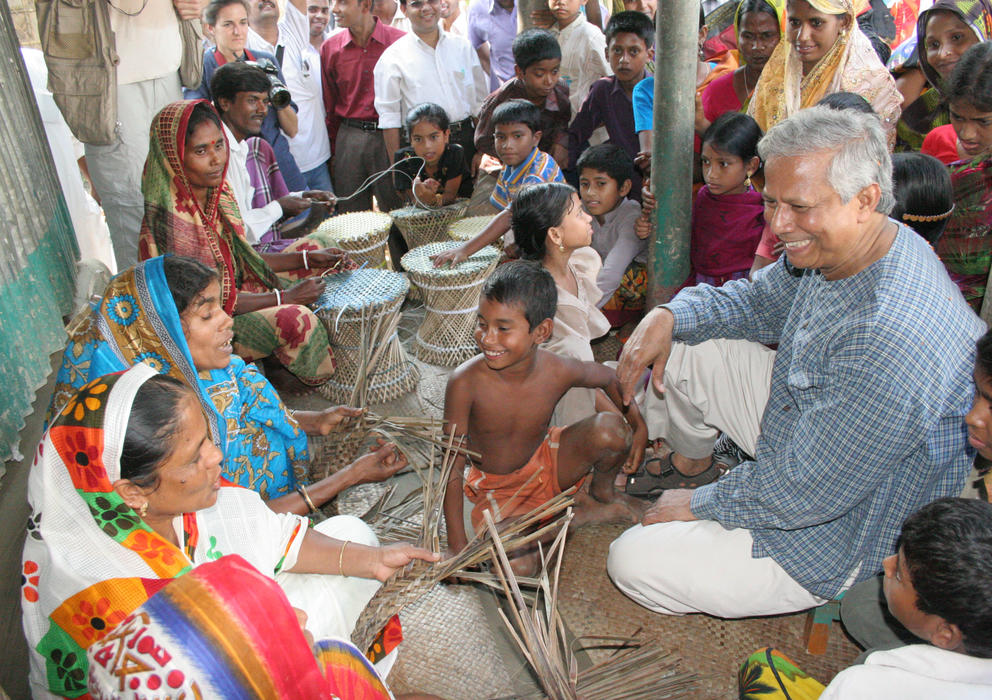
(597, 376)
(496, 228)
(457, 404)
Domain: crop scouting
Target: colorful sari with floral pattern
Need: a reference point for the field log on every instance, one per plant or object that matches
(965, 247)
(176, 223)
(89, 558)
(768, 674)
(222, 631)
(851, 65)
(136, 321)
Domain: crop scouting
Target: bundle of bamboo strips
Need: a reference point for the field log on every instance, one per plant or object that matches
(411, 583)
(636, 672)
(417, 438)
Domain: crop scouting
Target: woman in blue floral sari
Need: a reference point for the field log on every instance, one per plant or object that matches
(166, 313)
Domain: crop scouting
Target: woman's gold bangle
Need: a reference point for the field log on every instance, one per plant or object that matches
(341, 560)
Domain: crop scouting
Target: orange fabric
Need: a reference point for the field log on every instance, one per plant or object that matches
(520, 491)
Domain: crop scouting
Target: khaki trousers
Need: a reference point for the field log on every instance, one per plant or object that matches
(718, 385)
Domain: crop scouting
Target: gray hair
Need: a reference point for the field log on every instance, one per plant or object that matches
(861, 154)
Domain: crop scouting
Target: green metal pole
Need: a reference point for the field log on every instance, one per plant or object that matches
(671, 155)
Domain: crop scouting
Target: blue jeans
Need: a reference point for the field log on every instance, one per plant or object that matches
(319, 178)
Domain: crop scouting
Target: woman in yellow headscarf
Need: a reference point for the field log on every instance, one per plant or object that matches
(824, 52)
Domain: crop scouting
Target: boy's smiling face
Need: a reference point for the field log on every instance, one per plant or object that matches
(514, 142)
(504, 336)
(539, 78)
(600, 193)
(628, 55)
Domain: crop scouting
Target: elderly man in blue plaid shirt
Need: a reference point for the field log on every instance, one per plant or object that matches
(855, 422)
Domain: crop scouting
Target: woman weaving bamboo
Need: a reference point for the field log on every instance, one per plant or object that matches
(190, 210)
(166, 313)
(126, 495)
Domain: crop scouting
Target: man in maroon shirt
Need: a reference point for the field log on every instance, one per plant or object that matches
(357, 147)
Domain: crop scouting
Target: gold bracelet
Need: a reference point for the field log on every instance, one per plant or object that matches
(302, 490)
(341, 560)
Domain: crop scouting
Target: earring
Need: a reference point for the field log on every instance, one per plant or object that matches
(561, 247)
(143, 510)
(701, 53)
(747, 183)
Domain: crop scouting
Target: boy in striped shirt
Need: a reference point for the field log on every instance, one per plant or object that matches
(516, 129)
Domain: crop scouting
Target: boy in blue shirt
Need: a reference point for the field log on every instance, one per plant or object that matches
(516, 131)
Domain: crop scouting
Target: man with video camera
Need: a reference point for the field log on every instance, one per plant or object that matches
(228, 21)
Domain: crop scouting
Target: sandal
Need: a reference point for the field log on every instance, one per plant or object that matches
(645, 484)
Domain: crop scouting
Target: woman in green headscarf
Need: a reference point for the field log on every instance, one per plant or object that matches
(944, 32)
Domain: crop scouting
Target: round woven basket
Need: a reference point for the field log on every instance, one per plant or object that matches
(468, 228)
(451, 300)
(362, 234)
(361, 311)
(422, 226)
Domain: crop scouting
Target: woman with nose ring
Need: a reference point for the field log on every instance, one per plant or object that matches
(759, 26)
(824, 52)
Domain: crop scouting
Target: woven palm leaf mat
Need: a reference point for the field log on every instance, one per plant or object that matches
(710, 647)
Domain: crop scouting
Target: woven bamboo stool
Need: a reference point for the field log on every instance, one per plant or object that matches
(362, 234)
(421, 226)
(451, 299)
(468, 228)
(361, 311)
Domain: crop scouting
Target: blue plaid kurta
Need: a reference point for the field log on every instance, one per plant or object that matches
(865, 418)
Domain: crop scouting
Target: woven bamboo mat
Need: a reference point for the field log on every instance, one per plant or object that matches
(455, 648)
(711, 647)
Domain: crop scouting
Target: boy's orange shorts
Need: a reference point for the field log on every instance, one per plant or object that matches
(517, 493)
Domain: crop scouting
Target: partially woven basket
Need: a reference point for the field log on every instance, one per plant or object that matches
(451, 299)
(363, 234)
(333, 452)
(361, 311)
(468, 228)
(421, 226)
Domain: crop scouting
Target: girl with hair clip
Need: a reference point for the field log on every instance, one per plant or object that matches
(966, 246)
(924, 197)
(552, 228)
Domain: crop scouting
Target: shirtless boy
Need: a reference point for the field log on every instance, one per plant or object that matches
(502, 401)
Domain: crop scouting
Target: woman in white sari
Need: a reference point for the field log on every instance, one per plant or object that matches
(126, 495)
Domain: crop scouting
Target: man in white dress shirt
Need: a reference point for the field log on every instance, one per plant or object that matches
(429, 65)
